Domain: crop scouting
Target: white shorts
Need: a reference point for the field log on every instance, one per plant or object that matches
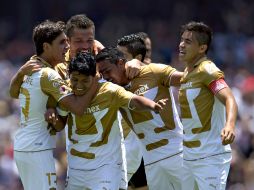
(36, 169)
(133, 153)
(106, 177)
(209, 173)
(165, 174)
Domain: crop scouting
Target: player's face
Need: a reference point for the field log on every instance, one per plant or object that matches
(80, 83)
(189, 48)
(58, 48)
(81, 40)
(125, 52)
(112, 72)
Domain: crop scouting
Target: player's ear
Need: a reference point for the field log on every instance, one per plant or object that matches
(203, 48)
(46, 46)
(138, 57)
(121, 62)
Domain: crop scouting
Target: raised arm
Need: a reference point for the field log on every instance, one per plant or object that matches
(28, 68)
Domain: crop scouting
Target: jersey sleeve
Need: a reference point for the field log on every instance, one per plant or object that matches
(121, 97)
(163, 73)
(210, 73)
(53, 85)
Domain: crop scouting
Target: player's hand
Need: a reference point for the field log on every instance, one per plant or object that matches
(30, 67)
(227, 135)
(160, 105)
(51, 116)
(97, 47)
(133, 68)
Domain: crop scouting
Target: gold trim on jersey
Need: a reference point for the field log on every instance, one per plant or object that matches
(157, 144)
(86, 155)
(25, 109)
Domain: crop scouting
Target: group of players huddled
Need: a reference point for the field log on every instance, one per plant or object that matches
(116, 107)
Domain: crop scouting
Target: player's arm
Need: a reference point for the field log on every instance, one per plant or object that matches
(78, 104)
(28, 68)
(52, 117)
(133, 68)
(97, 47)
(140, 103)
(175, 78)
(224, 94)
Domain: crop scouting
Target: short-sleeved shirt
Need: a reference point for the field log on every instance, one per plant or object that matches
(94, 139)
(203, 115)
(160, 134)
(33, 134)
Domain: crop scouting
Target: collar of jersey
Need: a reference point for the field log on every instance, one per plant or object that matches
(200, 61)
(45, 63)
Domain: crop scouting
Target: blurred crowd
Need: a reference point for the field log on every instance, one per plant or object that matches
(232, 50)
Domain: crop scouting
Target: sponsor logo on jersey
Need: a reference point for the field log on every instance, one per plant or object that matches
(142, 89)
(28, 80)
(186, 85)
(93, 109)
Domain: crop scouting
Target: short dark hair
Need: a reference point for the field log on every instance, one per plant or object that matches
(202, 32)
(134, 44)
(80, 21)
(46, 31)
(83, 63)
(110, 53)
(142, 35)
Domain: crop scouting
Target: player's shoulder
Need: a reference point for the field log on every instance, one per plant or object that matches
(208, 66)
(109, 86)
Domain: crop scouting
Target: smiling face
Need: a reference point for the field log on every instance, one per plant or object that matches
(81, 40)
(189, 48)
(80, 83)
(57, 49)
(113, 72)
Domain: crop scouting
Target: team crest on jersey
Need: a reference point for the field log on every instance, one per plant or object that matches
(63, 90)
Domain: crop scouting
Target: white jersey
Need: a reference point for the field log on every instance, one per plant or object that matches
(33, 134)
(160, 134)
(94, 139)
(203, 115)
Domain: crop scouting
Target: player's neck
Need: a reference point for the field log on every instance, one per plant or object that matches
(192, 64)
(48, 59)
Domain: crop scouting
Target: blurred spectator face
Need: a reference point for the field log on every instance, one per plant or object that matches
(81, 40)
(248, 90)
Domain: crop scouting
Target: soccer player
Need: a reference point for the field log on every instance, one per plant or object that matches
(94, 147)
(160, 134)
(132, 47)
(208, 111)
(80, 31)
(33, 142)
